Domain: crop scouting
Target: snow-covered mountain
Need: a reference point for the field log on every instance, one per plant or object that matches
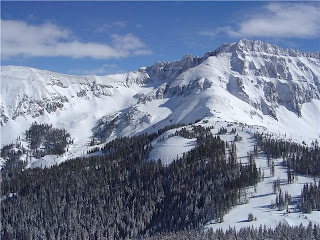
(248, 81)
(247, 86)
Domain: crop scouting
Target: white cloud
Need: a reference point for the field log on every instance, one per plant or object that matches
(49, 40)
(277, 20)
(127, 42)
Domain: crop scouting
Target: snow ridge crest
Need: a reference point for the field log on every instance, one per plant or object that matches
(245, 46)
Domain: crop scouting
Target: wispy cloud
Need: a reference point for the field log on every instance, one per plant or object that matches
(111, 26)
(277, 20)
(19, 38)
(105, 69)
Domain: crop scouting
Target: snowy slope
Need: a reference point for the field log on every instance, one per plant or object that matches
(168, 147)
(71, 102)
(259, 201)
(249, 81)
(250, 84)
(237, 82)
(171, 148)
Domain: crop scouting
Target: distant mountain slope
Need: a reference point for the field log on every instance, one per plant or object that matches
(248, 81)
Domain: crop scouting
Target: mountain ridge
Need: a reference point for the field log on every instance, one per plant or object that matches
(223, 131)
(244, 81)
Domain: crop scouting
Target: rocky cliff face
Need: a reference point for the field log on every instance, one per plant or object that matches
(287, 77)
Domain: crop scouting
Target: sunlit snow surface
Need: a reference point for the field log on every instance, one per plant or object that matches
(260, 201)
(167, 147)
(235, 86)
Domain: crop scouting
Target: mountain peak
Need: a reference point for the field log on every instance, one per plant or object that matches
(169, 70)
(246, 46)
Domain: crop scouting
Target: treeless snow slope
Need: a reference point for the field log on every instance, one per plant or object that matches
(171, 148)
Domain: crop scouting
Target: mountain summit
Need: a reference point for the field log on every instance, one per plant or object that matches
(251, 82)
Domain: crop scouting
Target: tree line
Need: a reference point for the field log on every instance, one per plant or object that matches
(298, 157)
(280, 232)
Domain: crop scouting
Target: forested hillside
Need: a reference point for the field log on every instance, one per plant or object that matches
(120, 195)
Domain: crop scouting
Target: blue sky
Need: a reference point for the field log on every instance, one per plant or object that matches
(110, 37)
